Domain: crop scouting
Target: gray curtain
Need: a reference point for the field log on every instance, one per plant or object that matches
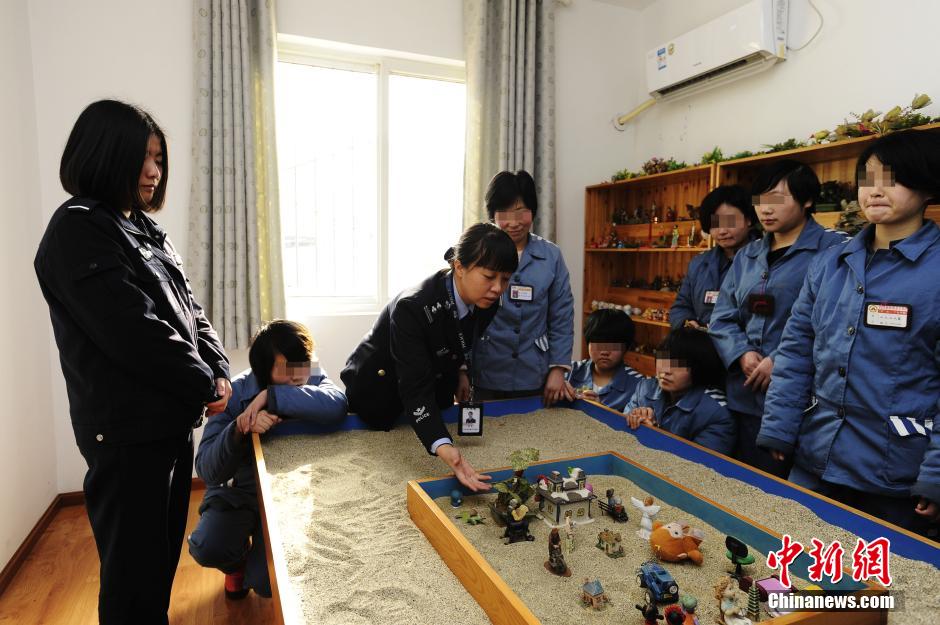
(234, 255)
(510, 49)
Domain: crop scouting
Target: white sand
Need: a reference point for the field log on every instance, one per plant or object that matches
(354, 556)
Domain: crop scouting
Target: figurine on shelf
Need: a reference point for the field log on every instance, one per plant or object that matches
(667, 285)
(620, 217)
(689, 603)
(691, 240)
(517, 529)
(676, 542)
(593, 595)
(692, 211)
(556, 561)
(650, 613)
(654, 212)
(610, 543)
(670, 214)
(657, 283)
(732, 603)
(675, 237)
(649, 513)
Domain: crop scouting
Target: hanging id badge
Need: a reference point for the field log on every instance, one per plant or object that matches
(471, 418)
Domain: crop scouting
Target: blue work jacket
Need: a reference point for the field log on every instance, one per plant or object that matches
(616, 393)
(225, 460)
(706, 272)
(526, 338)
(701, 415)
(856, 401)
(735, 330)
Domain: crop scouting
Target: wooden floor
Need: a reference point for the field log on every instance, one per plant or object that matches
(58, 584)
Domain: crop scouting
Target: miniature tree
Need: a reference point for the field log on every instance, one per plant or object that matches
(516, 488)
(753, 603)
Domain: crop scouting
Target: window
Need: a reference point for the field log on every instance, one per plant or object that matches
(370, 158)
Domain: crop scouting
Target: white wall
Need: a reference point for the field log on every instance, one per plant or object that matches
(85, 51)
(594, 80)
(865, 57)
(27, 447)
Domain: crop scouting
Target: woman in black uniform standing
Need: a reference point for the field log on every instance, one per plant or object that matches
(417, 357)
(140, 360)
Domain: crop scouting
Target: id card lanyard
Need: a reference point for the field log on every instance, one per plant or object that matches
(471, 412)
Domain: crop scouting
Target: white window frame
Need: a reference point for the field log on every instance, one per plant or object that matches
(382, 63)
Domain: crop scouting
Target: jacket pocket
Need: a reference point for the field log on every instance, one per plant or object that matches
(906, 441)
(95, 266)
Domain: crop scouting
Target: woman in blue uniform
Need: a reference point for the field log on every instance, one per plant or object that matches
(417, 357)
(140, 360)
(855, 396)
(603, 377)
(685, 397)
(758, 293)
(728, 216)
(282, 383)
(527, 349)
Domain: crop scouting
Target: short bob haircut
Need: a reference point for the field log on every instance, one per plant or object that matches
(288, 338)
(608, 325)
(695, 348)
(801, 181)
(506, 188)
(732, 195)
(913, 156)
(105, 153)
(486, 246)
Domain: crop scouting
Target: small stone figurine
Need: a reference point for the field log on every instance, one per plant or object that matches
(569, 533)
(732, 603)
(517, 528)
(556, 561)
(650, 613)
(649, 513)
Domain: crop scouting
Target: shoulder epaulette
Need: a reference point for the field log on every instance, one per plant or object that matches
(717, 395)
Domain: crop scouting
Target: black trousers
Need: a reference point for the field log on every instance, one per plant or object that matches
(137, 497)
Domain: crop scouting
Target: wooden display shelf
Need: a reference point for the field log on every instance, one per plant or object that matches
(641, 362)
(684, 175)
(649, 322)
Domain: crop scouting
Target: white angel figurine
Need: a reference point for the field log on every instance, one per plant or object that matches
(649, 511)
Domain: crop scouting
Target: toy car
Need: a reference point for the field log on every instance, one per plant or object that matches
(660, 585)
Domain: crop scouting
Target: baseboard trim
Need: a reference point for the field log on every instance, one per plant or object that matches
(74, 498)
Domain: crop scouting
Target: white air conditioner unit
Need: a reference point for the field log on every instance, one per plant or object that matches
(743, 42)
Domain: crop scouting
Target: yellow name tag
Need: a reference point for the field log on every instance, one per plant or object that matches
(896, 316)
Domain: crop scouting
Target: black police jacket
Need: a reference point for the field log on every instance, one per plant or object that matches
(139, 356)
(410, 360)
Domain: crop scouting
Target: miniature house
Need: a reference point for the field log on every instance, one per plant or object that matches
(592, 594)
(559, 495)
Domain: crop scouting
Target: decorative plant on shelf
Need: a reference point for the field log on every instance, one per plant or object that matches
(715, 156)
(789, 144)
(873, 122)
(657, 165)
(623, 174)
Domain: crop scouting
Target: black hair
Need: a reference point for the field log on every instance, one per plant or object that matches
(913, 157)
(801, 181)
(732, 195)
(695, 348)
(506, 188)
(105, 152)
(608, 325)
(288, 338)
(484, 245)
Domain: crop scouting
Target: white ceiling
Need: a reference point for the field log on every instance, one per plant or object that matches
(636, 5)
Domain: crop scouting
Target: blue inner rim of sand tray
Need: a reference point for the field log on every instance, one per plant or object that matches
(724, 522)
(865, 528)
